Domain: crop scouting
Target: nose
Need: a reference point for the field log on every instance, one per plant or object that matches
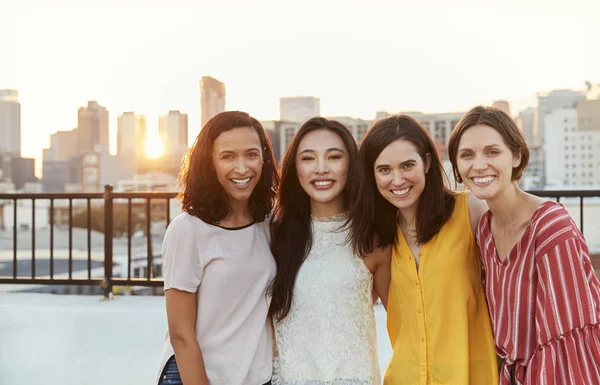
(479, 163)
(322, 166)
(241, 166)
(398, 178)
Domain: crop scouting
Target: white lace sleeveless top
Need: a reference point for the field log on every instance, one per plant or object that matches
(329, 336)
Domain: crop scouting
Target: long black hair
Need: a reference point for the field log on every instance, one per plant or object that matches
(291, 221)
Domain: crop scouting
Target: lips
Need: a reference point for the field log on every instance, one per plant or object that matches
(483, 180)
(241, 182)
(322, 184)
(401, 193)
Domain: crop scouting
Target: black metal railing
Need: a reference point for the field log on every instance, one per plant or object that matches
(150, 278)
(108, 199)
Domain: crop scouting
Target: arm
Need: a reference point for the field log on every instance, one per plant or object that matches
(477, 208)
(183, 272)
(567, 315)
(380, 259)
(181, 317)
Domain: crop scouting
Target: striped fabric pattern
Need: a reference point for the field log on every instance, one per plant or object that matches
(544, 302)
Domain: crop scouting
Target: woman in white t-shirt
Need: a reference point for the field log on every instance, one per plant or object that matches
(322, 296)
(217, 261)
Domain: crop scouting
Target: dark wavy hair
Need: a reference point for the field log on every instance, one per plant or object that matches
(201, 194)
(291, 223)
(374, 219)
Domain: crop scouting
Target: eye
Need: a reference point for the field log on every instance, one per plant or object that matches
(306, 158)
(335, 157)
(227, 156)
(465, 155)
(408, 166)
(253, 154)
(384, 170)
(493, 152)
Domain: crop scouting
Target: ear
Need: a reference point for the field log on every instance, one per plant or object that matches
(517, 160)
(427, 162)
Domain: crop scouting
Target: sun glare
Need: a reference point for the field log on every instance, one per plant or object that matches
(154, 147)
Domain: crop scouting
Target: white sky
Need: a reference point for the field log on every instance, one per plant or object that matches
(148, 56)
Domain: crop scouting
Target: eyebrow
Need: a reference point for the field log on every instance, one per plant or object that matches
(247, 150)
(387, 165)
(328, 150)
(485, 148)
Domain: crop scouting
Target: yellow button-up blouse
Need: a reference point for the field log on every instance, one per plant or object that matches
(438, 320)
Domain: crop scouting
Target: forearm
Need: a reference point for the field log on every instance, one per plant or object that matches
(190, 361)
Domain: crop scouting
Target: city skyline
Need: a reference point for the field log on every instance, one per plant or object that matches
(372, 59)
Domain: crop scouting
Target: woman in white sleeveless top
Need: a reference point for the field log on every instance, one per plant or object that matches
(322, 296)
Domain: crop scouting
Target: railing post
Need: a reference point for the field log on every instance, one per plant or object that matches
(108, 241)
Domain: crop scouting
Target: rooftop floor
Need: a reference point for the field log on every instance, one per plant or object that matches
(84, 340)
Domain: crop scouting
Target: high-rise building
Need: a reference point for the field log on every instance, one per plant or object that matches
(131, 134)
(299, 108)
(10, 122)
(358, 127)
(526, 121)
(92, 128)
(63, 146)
(281, 133)
(173, 130)
(502, 105)
(588, 113)
(572, 155)
(212, 98)
(549, 102)
(532, 178)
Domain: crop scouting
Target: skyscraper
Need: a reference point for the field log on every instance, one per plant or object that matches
(92, 128)
(173, 131)
(212, 98)
(131, 133)
(10, 122)
(299, 108)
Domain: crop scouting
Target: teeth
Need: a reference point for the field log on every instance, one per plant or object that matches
(241, 181)
(401, 192)
(322, 183)
(485, 179)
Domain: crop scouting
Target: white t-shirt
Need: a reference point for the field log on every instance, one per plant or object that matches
(230, 270)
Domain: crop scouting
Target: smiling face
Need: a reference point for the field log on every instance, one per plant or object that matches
(322, 167)
(485, 162)
(238, 162)
(400, 175)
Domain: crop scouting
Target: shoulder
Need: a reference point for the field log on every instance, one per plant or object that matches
(477, 207)
(184, 224)
(552, 225)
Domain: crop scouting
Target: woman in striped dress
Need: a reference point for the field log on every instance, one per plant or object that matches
(543, 293)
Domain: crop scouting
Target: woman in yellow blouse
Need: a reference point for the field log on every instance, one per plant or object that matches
(438, 320)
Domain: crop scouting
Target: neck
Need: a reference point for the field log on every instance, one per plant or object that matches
(239, 214)
(408, 217)
(505, 204)
(327, 209)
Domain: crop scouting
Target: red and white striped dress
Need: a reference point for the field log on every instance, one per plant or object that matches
(544, 302)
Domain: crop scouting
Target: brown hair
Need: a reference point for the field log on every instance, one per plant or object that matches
(499, 121)
(374, 220)
(201, 193)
